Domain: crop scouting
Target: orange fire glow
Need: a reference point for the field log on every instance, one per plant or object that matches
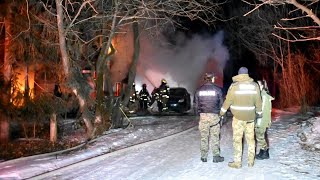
(22, 78)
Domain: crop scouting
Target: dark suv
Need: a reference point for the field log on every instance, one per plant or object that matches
(179, 100)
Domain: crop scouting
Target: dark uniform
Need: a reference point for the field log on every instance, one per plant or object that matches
(208, 101)
(154, 96)
(144, 97)
(163, 91)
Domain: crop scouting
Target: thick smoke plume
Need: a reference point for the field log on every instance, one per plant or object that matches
(182, 64)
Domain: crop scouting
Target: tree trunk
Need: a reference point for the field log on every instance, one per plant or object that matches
(117, 116)
(7, 73)
(104, 105)
(85, 115)
(53, 128)
(7, 67)
(34, 129)
(66, 63)
(135, 57)
(117, 113)
(62, 38)
(275, 79)
(4, 129)
(25, 129)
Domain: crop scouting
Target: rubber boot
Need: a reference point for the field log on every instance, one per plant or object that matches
(263, 154)
(258, 156)
(217, 159)
(236, 165)
(204, 159)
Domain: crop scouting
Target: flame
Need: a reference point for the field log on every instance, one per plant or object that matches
(109, 50)
(23, 77)
(112, 44)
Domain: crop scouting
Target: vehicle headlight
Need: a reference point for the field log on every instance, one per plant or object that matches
(181, 100)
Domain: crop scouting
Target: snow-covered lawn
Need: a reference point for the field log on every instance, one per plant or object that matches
(178, 156)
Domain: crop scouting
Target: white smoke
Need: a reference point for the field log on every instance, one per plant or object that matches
(181, 65)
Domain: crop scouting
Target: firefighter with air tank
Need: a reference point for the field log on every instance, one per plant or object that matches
(164, 92)
(144, 98)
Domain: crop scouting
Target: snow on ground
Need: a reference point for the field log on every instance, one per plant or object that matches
(144, 129)
(178, 156)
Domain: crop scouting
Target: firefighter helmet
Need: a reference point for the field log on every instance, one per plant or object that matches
(144, 86)
(209, 76)
(163, 81)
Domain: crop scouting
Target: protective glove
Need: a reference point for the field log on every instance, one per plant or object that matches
(259, 116)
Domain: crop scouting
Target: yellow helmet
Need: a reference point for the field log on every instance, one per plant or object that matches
(164, 81)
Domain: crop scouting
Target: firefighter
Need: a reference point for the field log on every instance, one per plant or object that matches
(154, 96)
(133, 99)
(144, 97)
(164, 91)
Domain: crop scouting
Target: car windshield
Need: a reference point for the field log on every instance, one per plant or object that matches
(177, 91)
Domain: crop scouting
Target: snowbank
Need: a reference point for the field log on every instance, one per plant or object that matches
(309, 134)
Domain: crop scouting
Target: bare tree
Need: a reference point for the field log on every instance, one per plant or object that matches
(291, 68)
(4, 121)
(82, 24)
(22, 50)
(298, 31)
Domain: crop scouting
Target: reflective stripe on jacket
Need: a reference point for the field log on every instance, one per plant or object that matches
(243, 98)
(208, 99)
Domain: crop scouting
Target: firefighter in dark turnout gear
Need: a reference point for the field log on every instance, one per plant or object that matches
(163, 96)
(207, 103)
(154, 96)
(144, 97)
(133, 99)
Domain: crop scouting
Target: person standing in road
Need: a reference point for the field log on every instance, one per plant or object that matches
(164, 92)
(154, 96)
(132, 105)
(265, 122)
(144, 98)
(244, 100)
(207, 102)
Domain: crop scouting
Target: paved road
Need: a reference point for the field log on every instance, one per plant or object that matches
(177, 157)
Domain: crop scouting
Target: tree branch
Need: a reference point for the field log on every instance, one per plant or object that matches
(306, 10)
